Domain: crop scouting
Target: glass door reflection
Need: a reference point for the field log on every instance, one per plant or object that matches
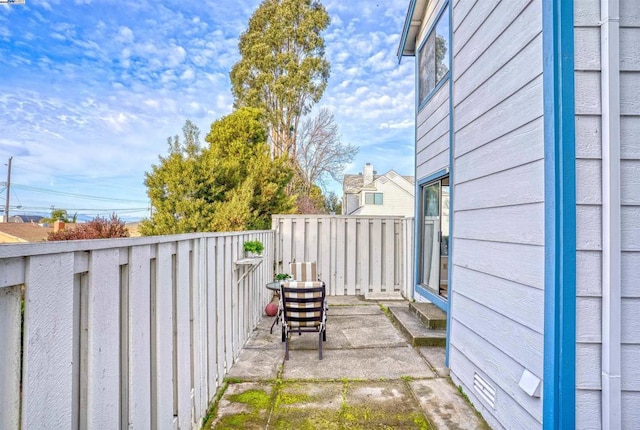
(435, 237)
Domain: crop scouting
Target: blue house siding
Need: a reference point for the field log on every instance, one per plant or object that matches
(497, 283)
(432, 135)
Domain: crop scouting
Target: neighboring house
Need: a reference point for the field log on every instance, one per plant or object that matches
(25, 218)
(19, 232)
(528, 172)
(370, 194)
(21, 218)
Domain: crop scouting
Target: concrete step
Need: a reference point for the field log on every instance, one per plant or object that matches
(417, 333)
(430, 315)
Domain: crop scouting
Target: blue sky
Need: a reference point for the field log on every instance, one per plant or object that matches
(91, 89)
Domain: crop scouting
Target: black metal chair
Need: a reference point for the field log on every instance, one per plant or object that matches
(303, 311)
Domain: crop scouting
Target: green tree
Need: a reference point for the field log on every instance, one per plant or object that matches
(282, 69)
(177, 187)
(245, 174)
(332, 203)
(309, 201)
(60, 214)
(230, 185)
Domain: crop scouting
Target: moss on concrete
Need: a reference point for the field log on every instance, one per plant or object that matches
(255, 399)
(255, 403)
(295, 407)
(299, 409)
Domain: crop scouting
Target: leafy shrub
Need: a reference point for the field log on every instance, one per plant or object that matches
(97, 228)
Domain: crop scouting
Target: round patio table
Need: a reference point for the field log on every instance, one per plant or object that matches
(274, 286)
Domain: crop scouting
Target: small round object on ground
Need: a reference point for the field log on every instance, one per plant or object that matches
(271, 309)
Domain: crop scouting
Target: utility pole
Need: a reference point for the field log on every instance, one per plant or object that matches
(6, 208)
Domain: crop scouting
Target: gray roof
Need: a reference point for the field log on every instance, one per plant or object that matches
(354, 183)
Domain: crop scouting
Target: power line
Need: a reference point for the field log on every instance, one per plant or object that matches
(48, 208)
(74, 177)
(80, 196)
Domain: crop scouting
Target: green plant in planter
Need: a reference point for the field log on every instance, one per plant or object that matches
(282, 276)
(253, 247)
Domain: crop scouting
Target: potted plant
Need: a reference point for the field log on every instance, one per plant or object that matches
(282, 277)
(253, 248)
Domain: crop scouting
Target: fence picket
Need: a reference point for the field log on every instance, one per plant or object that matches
(211, 335)
(376, 251)
(163, 340)
(183, 332)
(139, 337)
(10, 356)
(47, 399)
(390, 247)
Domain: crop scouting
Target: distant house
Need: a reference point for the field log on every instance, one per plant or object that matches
(370, 194)
(25, 218)
(527, 117)
(20, 232)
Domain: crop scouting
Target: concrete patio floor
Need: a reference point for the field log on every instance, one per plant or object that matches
(369, 377)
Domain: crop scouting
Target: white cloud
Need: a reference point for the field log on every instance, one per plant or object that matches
(125, 35)
(407, 123)
(116, 121)
(187, 75)
(5, 33)
(176, 56)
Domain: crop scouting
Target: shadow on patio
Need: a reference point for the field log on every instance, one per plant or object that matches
(370, 377)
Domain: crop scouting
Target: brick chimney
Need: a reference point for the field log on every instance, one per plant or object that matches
(58, 226)
(368, 174)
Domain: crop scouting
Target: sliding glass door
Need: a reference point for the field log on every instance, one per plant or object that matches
(434, 246)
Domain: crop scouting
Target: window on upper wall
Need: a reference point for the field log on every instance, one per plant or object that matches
(434, 57)
(373, 198)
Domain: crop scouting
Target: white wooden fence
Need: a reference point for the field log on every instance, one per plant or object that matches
(139, 333)
(372, 256)
(127, 333)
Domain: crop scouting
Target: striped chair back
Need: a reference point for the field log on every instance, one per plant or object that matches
(303, 310)
(305, 271)
(303, 303)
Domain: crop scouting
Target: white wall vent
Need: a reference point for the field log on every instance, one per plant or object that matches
(485, 390)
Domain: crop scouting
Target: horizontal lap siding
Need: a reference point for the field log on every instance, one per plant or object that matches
(432, 145)
(588, 214)
(397, 201)
(630, 211)
(589, 209)
(432, 121)
(498, 260)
